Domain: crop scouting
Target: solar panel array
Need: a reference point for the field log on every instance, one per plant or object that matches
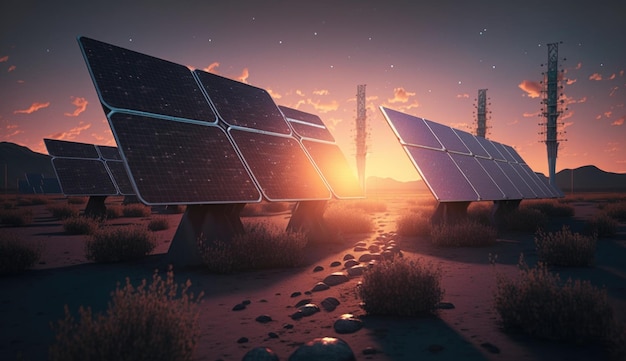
(459, 167)
(192, 137)
(88, 170)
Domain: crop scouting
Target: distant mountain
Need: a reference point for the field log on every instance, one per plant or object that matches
(590, 179)
(16, 161)
(378, 184)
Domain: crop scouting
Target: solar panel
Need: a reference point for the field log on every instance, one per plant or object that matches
(83, 177)
(472, 144)
(478, 177)
(516, 179)
(514, 153)
(62, 148)
(307, 125)
(126, 79)
(447, 137)
(411, 130)
(173, 162)
(108, 152)
(117, 169)
(242, 105)
(490, 148)
(280, 166)
(501, 179)
(505, 153)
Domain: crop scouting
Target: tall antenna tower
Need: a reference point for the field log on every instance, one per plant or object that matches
(361, 133)
(552, 107)
(481, 113)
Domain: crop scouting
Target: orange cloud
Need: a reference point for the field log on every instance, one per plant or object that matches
(72, 133)
(613, 90)
(324, 107)
(608, 114)
(211, 68)
(81, 105)
(12, 130)
(244, 76)
(321, 92)
(299, 92)
(33, 108)
(400, 95)
(532, 88)
(578, 66)
(570, 81)
(531, 115)
(4, 59)
(613, 76)
(461, 96)
(595, 76)
(273, 94)
(619, 121)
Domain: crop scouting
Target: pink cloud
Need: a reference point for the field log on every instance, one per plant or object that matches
(244, 76)
(595, 76)
(72, 133)
(4, 59)
(324, 107)
(613, 76)
(619, 121)
(608, 114)
(461, 96)
(11, 68)
(400, 95)
(81, 105)
(578, 66)
(613, 90)
(33, 108)
(599, 116)
(532, 88)
(211, 68)
(321, 92)
(299, 92)
(621, 73)
(570, 81)
(273, 94)
(531, 115)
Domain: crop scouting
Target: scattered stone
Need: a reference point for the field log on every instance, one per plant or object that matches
(347, 257)
(445, 306)
(490, 347)
(272, 335)
(296, 294)
(335, 264)
(287, 326)
(318, 269)
(351, 262)
(347, 323)
(264, 319)
(242, 340)
(360, 249)
(326, 348)
(320, 286)
(330, 303)
(308, 293)
(360, 244)
(366, 257)
(388, 255)
(336, 278)
(356, 270)
(303, 302)
(434, 348)
(373, 248)
(246, 302)
(260, 354)
(309, 309)
(239, 307)
(369, 351)
(296, 315)
(263, 300)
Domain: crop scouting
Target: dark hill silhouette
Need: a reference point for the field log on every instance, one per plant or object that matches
(16, 161)
(590, 178)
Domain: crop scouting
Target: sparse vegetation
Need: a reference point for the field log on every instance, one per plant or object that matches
(466, 233)
(80, 225)
(261, 246)
(15, 255)
(481, 212)
(602, 225)
(16, 217)
(62, 211)
(401, 287)
(550, 207)
(367, 205)
(152, 322)
(412, 224)
(158, 223)
(616, 210)
(136, 210)
(113, 211)
(347, 220)
(525, 220)
(76, 200)
(565, 248)
(116, 244)
(32, 200)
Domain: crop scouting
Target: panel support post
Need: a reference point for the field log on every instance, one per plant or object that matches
(450, 212)
(95, 207)
(203, 224)
(308, 217)
(501, 211)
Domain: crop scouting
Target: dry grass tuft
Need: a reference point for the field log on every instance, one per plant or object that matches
(565, 248)
(15, 255)
(117, 244)
(345, 219)
(467, 233)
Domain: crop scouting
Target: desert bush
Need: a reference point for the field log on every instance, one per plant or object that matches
(466, 233)
(158, 223)
(16, 217)
(62, 211)
(565, 248)
(175, 209)
(346, 220)
(123, 243)
(76, 200)
(113, 211)
(616, 210)
(261, 246)
(525, 220)
(80, 225)
(32, 200)
(602, 225)
(275, 207)
(413, 224)
(550, 207)
(541, 305)
(481, 212)
(15, 255)
(401, 287)
(152, 322)
(136, 210)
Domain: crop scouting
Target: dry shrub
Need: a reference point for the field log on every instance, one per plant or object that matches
(525, 219)
(62, 211)
(481, 212)
(550, 207)
(16, 256)
(616, 210)
(602, 225)
(136, 210)
(346, 220)
(261, 246)
(80, 225)
(467, 233)
(16, 217)
(33, 200)
(541, 305)
(114, 211)
(158, 223)
(565, 248)
(76, 200)
(401, 287)
(116, 244)
(412, 224)
(152, 322)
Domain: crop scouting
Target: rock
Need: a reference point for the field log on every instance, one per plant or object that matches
(359, 249)
(272, 335)
(296, 315)
(309, 309)
(330, 303)
(320, 286)
(318, 269)
(296, 294)
(242, 340)
(360, 244)
(445, 306)
(246, 302)
(264, 319)
(347, 323)
(347, 257)
(335, 264)
(356, 270)
(239, 307)
(326, 348)
(260, 354)
(366, 257)
(303, 302)
(287, 326)
(349, 263)
(373, 248)
(336, 278)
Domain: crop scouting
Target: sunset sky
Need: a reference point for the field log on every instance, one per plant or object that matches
(423, 58)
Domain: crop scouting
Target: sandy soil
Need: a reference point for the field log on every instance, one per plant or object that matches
(470, 331)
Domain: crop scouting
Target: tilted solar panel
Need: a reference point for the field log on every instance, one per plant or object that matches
(517, 179)
(501, 179)
(478, 177)
(447, 137)
(128, 80)
(306, 125)
(83, 177)
(62, 148)
(120, 177)
(108, 152)
(173, 162)
(472, 144)
(411, 130)
(503, 150)
(490, 148)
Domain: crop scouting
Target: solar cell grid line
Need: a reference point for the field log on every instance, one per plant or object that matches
(484, 185)
(503, 150)
(410, 130)
(83, 177)
(306, 125)
(442, 176)
(500, 178)
(518, 158)
(280, 166)
(108, 152)
(539, 193)
(62, 148)
(129, 80)
(242, 105)
(447, 137)
(472, 144)
(173, 162)
(490, 148)
(517, 179)
(537, 184)
(335, 169)
(118, 172)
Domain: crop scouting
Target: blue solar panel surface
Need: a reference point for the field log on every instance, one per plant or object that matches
(83, 177)
(62, 148)
(307, 125)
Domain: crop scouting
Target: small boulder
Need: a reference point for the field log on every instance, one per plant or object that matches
(260, 354)
(347, 323)
(336, 278)
(325, 348)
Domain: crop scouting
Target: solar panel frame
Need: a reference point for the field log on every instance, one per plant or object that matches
(494, 153)
(63, 148)
(505, 184)
(517, 179)
(503, 150)
(411, 130)
(447, 137)
(108, 152)
(480, 180)
(76, 177)
(306, 125)
(119, 173)
(472, 144)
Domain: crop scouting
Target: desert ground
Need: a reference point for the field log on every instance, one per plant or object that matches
(31, 301)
